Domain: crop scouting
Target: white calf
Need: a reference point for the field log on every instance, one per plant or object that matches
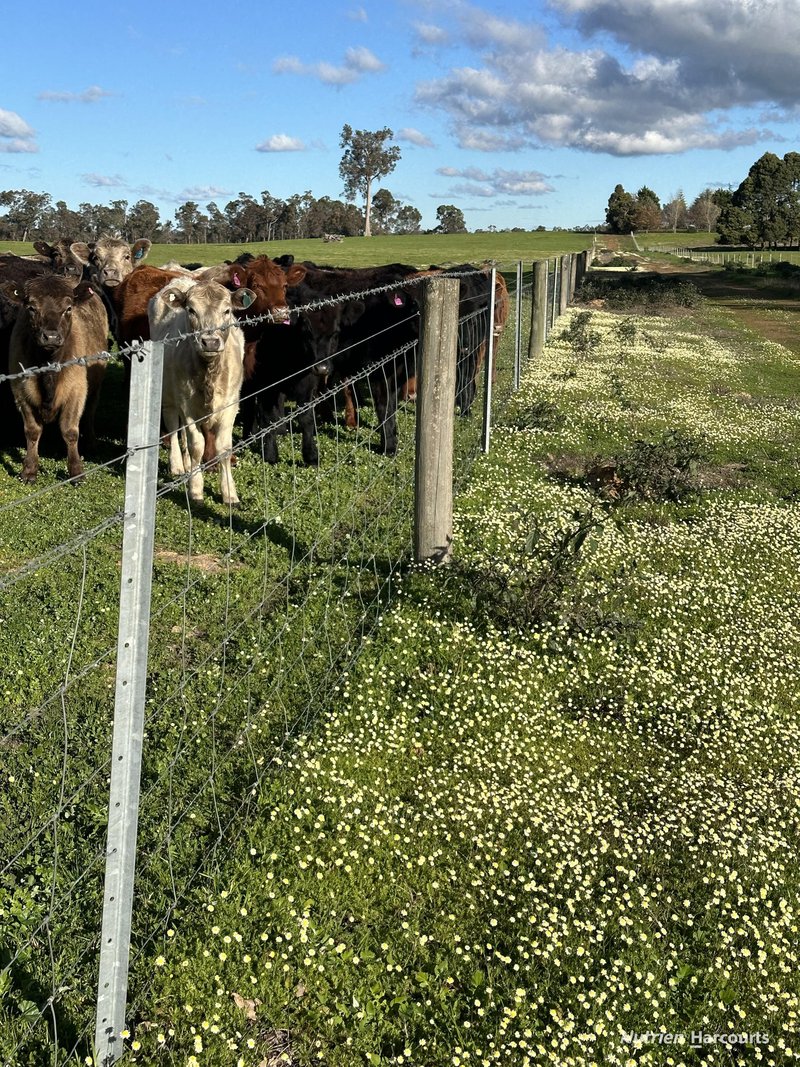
(202, 374)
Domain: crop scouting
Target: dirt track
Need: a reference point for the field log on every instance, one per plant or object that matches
(765, 305)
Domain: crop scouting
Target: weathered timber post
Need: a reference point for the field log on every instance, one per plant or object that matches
(565, 279)
(556, 283)
(488, 374)
(573, 275)
(126, 754)
(436, 390)
(518, 331)
(538, 310)
(583, 261)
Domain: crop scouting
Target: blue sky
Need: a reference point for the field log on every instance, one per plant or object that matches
(520, 114)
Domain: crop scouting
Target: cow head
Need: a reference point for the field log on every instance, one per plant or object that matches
(109, 259)
(269, 282)
(323, 328)
(49, 302)
(60, 257)
(209, 308)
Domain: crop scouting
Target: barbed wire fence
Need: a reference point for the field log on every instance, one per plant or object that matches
(161, 652)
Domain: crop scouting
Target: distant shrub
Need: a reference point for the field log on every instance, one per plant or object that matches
(645, 293)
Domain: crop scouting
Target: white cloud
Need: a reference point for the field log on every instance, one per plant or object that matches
(104, 181)
(201, 192)
(358, 14)
(357, 62)
(281, 142)
(431, 35)
(15, 133)
(88, 96)
(678, 81)
(498, 182)
(408, 133)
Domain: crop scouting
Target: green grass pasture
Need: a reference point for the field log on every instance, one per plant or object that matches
(417, 249)
(553, 811)
(257, 617)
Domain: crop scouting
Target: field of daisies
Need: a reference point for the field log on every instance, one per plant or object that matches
(552, 815)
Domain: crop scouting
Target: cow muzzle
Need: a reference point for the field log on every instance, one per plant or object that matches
(50, 339)
(281, 315)
(210, 344)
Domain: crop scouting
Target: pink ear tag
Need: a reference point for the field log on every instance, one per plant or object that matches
(398, 301)
(236, 281)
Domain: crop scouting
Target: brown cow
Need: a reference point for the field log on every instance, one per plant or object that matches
(109, 259)
(60, 257)
(57, 322)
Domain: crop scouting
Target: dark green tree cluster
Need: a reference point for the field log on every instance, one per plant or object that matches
(626, 212)
(765, 210)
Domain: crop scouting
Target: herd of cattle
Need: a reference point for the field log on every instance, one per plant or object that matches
(244, 337)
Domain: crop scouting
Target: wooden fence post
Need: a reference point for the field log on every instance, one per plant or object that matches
(566, 273)
(538, 310)
(436, 390)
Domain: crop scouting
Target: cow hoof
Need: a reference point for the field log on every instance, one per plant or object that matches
(29, 477)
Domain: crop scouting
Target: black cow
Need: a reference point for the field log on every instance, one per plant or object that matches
(354, 328)
(475, 290)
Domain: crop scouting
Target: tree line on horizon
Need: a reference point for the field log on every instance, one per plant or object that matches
(764, 211)
(29, 216)
(367, 158)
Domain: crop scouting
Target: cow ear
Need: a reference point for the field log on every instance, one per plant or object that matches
(43, 248)
(242, 299)
(352, 311)
(295, 274)
(140, 248)
(81, 251)
(175, 298)
(11, 291)
(83, 291)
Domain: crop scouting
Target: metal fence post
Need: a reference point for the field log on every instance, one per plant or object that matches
(132, 643)
(489, 371)
(518, 331)
(436, 388)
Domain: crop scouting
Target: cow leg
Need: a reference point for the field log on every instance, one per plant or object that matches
(224, 442)
(350, 409)
(33, 432)
(269, 408)
(69, 424)
(94, 376)
(308, 431)
(306, 391)
(389, 421)
(195, 444)
(178, 463)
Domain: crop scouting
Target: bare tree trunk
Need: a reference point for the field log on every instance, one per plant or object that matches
(368, 209)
